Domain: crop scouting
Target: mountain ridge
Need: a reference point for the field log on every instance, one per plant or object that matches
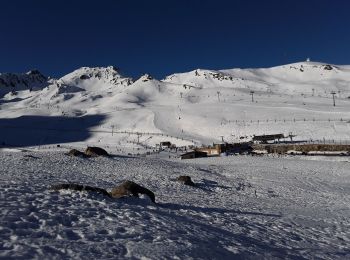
(200, 106)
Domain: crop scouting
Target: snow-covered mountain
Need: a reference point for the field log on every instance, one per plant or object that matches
(303, 77)
(200, 106)
(95, 79)
(13, 82)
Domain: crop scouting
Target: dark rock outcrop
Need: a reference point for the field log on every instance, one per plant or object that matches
(127, 188)
(23, 81)
(95, 151)
(75, 152)
(327, 67)
(130, 188)
(83, 77)
(186, 180)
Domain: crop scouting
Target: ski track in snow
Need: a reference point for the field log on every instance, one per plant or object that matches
(244, 207)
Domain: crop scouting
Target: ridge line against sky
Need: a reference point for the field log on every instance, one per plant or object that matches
(166, 37)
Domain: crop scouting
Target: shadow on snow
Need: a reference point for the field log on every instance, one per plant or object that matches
(44, 130)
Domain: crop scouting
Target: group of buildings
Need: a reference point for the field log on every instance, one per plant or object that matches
(260, 144)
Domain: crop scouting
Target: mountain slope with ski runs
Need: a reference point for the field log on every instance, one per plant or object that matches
(99, 105)
(241, 207)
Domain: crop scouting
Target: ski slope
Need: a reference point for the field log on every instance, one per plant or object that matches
(197, 107)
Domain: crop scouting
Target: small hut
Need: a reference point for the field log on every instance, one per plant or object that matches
(193, 154)
(266, 138)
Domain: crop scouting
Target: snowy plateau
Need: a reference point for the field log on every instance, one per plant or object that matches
(242, 207)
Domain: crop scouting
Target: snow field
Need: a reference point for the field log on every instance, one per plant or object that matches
(243, 207)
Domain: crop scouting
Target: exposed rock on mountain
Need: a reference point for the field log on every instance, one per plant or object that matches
(32, 80)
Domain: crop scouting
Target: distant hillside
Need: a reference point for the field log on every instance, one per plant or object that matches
(13, 82)
(200, 106)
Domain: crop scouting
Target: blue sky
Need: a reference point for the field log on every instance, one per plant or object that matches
(162, 37)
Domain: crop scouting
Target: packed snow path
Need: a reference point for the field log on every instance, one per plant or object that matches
(244, 207)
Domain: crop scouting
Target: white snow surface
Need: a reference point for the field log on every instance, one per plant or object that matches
(198, 107)
(243, 208)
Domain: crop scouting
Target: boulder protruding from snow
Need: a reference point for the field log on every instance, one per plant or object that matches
(130, 188)
(327, 67)
(127, 188)
(95, 151)
(75, 152)
(186, 180)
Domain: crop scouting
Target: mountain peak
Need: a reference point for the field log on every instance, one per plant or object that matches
(96, 77)
(34, 72)
(33, 79)
(146, 77)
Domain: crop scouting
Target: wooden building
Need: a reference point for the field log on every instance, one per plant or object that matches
(193, 154)
(165, 144)
(266, 138)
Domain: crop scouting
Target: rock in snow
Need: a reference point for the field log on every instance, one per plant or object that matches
(129, 188)
(75, 152)
(186, 180)
(126, 189)
(96, 151)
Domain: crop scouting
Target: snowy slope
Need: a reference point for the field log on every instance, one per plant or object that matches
(243, 208)
(197, 107)
(309, 78)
